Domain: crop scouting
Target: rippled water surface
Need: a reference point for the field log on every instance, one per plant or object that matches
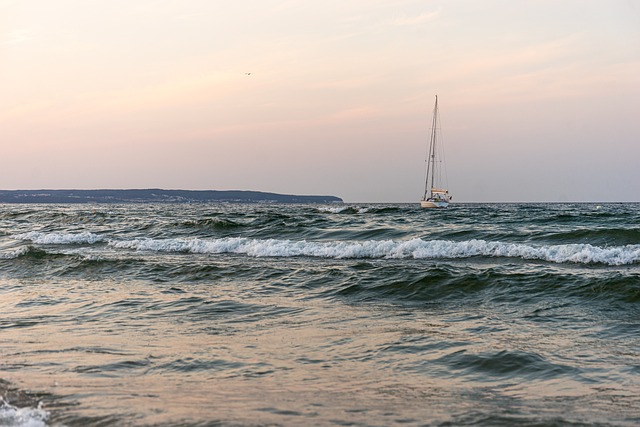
(364, 315)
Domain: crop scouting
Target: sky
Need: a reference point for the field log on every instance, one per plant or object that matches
(539, 99)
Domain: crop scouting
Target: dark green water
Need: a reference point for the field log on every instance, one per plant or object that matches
(363, 315)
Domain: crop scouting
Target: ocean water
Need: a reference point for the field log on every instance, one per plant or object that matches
(337, 315)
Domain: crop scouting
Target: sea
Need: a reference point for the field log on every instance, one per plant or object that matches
(320, 315)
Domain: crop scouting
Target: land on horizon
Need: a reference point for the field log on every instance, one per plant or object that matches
(156, 195)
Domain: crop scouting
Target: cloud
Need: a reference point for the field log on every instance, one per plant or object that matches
(355, 82)
(18, 36)
(406, 21)
(357, 113)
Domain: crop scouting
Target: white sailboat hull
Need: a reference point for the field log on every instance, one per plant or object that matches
(433, 204)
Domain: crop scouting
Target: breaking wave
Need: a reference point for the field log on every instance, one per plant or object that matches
(393, 249)
(343, 210)
(15, 253)
(59, 238)
(411, 249)
(22, 417)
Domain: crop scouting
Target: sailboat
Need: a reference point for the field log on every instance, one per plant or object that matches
(435, 195)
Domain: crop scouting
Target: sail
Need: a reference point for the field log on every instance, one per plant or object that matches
(435, 194)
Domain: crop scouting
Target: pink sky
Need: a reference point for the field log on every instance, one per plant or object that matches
(539, 99)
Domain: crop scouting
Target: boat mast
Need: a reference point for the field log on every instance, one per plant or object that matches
(433, 143)
(431, 159)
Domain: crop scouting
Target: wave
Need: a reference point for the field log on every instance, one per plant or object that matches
(543, 290)
(20, 417)
(59, 238)
(343, 210)
(16, 253)
(510, 364)
(581, 253)
(27, 252)
(359, 209)
(210, 223)
(605, 236)
(411, 249)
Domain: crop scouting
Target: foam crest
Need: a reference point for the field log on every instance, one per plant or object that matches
(16, 253)
(343, 209)
(577, 253)
(22, 417)
(59, 238)
(411, 249)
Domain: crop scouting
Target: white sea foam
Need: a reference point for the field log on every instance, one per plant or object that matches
(14, 254)
(416, 249)
(326, 209)
(22, 417)
(59, 238)
(340, 209)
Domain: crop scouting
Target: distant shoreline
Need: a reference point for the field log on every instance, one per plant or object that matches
(156, 195)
